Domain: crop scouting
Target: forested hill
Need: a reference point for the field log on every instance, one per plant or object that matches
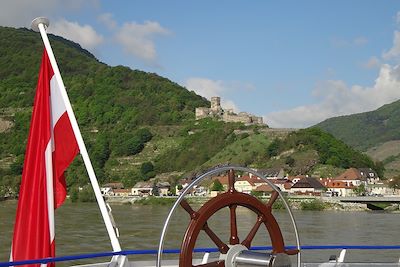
(111, 93)
(376, 132)
(113, 101)
(138, 126)
(368, 129)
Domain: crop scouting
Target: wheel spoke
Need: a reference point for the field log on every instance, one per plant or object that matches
(234, 232)
(189, 209)
(222, 247)
(292, 251)
(272, 199)
(231, 180)
(247, 241)
(212, 264)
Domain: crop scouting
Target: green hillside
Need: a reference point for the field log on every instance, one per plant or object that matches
(139, 125)
(375, 132)
(110, 103)
(366, 130)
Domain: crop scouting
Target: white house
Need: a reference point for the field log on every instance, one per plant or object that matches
(142, 189)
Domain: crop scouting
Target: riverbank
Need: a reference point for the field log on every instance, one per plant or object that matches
(295, 202)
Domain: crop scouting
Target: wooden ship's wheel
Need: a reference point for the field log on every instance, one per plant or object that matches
(237, 252)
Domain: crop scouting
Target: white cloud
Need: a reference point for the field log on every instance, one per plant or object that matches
(209, 88)
(107, 20)
(394, 52)
(336, 98)
(138, 39)
(85, 35)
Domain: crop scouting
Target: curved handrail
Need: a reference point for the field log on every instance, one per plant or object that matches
(198, 250)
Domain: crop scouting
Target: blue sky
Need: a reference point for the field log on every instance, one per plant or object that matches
(295, 63)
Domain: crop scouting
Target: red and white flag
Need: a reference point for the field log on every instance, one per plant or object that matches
(51, 147)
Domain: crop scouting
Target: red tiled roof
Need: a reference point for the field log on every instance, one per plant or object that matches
(338, 184)
(349, 174)
(247, 179)
(288, 185)
(264, 188)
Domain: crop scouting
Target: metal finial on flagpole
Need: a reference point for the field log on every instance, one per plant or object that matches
(40, 20)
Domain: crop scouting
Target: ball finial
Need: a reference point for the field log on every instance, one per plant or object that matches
(40, 20)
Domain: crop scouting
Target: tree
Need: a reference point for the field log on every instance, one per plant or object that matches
(360, 190)
(87, 194)
(273, 148)
(147, 170)
(74, 194)
(131, 178)
(217, 186)
(155, 190)
(290, 161)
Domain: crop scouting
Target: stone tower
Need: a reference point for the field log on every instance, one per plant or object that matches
(216, 104)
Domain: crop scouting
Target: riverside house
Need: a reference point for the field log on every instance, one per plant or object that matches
(338, 188)
(142, 189)
(351, 176)
(308, 186)
(108, 189)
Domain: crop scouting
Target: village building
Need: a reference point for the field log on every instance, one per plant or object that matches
(196, 190)
(283, 184)
(365, 176)
(121, 192)
(381, 189)
(264, 190)
(108, 188)
(106, 191)
(296, 178)
(245, 185)
(250, 183)
(163, 188)
(308, 186)
(336, 188)
(369, 175)
(351, 176)
(143, 189)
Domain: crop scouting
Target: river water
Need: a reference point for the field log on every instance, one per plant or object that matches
(79, 229)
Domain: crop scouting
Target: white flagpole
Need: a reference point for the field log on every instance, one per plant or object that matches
(40, 24)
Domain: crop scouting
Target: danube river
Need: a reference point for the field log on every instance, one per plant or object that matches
(79, 229)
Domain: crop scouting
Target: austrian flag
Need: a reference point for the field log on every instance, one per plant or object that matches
(51, 147)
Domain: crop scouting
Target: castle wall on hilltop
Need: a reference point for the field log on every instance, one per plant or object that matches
(216, 111)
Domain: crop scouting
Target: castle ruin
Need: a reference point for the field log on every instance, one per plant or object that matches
(228, 115)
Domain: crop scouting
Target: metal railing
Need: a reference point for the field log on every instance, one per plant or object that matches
(176, 251)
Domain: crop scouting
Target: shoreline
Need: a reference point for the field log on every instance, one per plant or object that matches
(295, 203)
